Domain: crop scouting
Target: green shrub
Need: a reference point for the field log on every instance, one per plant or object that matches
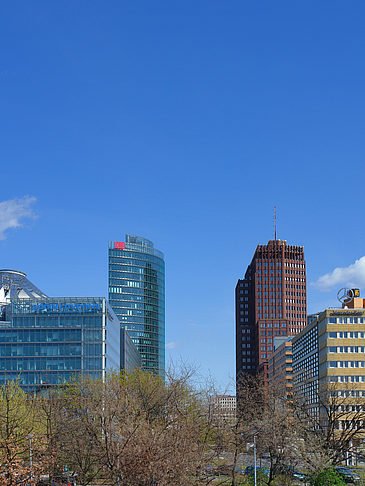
(327, 477)
(261, 479)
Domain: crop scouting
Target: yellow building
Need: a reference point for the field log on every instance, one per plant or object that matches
(329, 364)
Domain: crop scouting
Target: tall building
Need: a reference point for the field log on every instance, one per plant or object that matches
(137, 296)
(329, 364)
(280, 367)
(46, 341)
(270, 301)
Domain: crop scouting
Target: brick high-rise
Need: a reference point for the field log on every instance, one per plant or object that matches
(270, 301)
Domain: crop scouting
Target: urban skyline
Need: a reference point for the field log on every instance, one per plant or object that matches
(147, 120)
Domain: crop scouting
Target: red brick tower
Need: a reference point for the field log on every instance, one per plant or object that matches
(271, 301)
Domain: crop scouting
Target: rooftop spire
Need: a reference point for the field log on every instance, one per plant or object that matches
(275, 223)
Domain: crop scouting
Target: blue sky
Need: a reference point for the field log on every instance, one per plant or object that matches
(184, 122)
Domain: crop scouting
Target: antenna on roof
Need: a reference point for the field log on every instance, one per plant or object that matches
(275, 222)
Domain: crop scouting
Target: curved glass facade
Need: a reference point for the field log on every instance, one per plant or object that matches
(137, 296)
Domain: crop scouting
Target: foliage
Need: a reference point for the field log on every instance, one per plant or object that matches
(137, 429)
(261, 479)
(327, 477)
(20, 428)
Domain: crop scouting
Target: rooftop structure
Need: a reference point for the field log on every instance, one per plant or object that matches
(15, 285)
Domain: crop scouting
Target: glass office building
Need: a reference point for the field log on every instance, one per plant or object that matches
(130, 357)
(137, 296)
(47, 341)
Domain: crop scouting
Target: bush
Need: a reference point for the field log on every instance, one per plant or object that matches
(261, 479)
(327, 477)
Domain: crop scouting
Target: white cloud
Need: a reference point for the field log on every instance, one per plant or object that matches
(351, 276)
(171, 345)
(13, 212)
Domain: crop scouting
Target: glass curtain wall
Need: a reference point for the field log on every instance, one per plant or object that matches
(50, 342)
(137, 296)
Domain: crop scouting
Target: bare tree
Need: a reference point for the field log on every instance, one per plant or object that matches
(133, 429)
(332, 426)
(20, 430)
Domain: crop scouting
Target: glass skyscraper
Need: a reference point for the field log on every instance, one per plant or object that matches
(137, 296)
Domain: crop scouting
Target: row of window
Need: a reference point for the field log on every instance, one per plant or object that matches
(266, 280)
(272, 324)
(270, 333)
(294, 265)
(294, 272)
(349, 393)
(347, 349)
(130, 258)
(60, 364)
(267, 294)
(135, 291)
(51, 349)
(346, 320)
(347, 335)
(347, 379)
(266, 287)
(350, 424)
(346, 364)
(264, 263)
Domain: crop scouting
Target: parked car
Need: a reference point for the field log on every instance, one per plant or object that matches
(294, 473)
(263, 470)
(347, 475)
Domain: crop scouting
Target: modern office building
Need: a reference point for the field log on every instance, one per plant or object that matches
(137, 296)
(270, 302)
(280, 367)
(46, 341)
(328, 357)
(130, 358)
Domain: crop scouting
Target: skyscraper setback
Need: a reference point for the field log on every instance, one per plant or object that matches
(270, 301)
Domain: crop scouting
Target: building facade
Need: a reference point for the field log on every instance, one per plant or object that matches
(46, 341)
(50, 341)
(270, 302)
(280, 367)
(225, 407)
(130, 358)
(329, 362)
(137, 296)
